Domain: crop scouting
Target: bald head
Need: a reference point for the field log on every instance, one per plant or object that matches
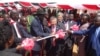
(53, 20)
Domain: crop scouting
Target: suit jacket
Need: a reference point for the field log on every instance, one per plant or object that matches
(90, 32)
(96, 41)
(87, 31)
(70, 23)
(16, 39)
(84, 26)
(94, 38)
(61, 25)
(59, 43)
(24, 32)
(37, 28)
(47, 29)
(58, 27)
(69, 39)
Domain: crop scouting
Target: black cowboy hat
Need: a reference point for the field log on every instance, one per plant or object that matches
(40, 11)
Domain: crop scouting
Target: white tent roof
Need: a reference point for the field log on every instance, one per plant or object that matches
(71, 3)
(59, 1)
(79, 2)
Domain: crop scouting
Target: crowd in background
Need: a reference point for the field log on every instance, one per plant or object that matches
(82, 37)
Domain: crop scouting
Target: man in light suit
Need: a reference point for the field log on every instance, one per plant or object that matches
(60, 20)
(56, 44)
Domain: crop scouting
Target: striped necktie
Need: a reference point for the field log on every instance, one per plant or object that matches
(16, 29)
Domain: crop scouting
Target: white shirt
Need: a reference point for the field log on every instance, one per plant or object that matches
(67, 25)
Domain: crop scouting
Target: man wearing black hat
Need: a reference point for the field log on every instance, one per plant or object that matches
(37, 30)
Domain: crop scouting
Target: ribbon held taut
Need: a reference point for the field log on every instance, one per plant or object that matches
(29, 43)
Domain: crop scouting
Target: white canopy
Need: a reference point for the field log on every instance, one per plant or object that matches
(58, 1)
(65, 4)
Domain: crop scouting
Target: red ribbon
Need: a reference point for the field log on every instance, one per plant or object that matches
(75, 27)
(28, 44)
(60, 34)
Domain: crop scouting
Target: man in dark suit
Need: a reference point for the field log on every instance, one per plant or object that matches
(37, 30)
(22, 27)
(37, 26)
(81, 39)
(19, 27)
(56, 44)
(69, 22)
(93, 33)
(14, 22)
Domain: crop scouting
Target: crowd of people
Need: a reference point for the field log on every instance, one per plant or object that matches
(82, 32)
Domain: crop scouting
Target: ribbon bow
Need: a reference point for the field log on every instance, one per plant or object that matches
(60, 34)
(75, 27)
(28, 44)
